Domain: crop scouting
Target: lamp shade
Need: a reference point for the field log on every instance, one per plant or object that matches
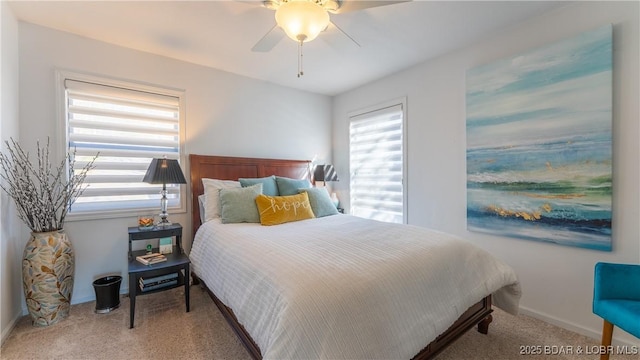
(325, 173)
(302, 20)
(164, 171)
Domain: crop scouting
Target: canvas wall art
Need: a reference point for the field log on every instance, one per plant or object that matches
(539, 143)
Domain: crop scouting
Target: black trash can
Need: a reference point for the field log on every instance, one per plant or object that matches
(107, 293)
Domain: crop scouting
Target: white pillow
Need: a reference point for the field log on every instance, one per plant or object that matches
(201, 199)
(212, 196)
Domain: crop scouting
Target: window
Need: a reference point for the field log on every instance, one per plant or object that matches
(376, 164)
(127, 125)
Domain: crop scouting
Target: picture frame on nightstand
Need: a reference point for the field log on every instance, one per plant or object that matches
(165, 245)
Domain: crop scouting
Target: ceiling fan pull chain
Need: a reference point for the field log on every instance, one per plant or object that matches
(300, 71)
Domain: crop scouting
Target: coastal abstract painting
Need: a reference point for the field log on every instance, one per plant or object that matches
(539, 143)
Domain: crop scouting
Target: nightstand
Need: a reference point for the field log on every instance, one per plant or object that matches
(177, 262)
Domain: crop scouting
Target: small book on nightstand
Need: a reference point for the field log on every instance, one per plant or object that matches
(158, 285)
(150, 259)
(158, 279)
(157, 282)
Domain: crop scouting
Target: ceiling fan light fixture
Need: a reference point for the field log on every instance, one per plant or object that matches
(271, 4)
(332, 5)
(302, 20)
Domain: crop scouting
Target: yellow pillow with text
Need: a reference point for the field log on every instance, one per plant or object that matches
(276, 210)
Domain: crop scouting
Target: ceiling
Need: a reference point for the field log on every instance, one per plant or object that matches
(220, 34)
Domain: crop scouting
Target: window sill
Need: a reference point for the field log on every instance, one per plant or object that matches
(114, 214)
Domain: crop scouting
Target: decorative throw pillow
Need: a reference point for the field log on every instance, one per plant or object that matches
(276, 210)
(320, 201)
(212, 201)
(288, 186)
(269, 186)
(239, 205)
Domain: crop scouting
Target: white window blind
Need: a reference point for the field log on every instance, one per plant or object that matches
(127, 128)
(376, 164)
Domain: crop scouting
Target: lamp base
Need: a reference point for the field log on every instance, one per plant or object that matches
(163, 221)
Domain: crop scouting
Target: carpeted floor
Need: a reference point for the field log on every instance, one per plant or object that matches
(163, 330)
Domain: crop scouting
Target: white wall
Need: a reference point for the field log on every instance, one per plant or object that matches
(226, 114)
(10, 240)
(557, 281)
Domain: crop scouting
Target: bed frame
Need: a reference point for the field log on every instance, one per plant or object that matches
(232, 168)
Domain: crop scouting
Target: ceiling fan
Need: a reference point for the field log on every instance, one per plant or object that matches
(304, 20)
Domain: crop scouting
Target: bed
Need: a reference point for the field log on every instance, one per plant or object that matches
(298, 290)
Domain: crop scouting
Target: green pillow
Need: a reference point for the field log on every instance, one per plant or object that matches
(320, 201)
(269, 186)
(239, 205)
(288, 186)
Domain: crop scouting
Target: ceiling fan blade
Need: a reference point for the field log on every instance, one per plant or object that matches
(355, 5)
(269, 4)
(335, 35)
(271, 39)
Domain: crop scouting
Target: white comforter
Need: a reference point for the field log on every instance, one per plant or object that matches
(343, 287)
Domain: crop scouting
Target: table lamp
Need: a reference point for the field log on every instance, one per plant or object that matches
(324, 173)
(164, 171)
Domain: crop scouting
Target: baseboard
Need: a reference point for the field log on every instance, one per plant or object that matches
(90, 298)
(76, 300)
(594, 334)
(83, 299)
(6, 331)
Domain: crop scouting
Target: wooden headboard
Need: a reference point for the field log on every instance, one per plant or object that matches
(233, 168)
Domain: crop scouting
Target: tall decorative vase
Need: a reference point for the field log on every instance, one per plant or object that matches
(48, 266)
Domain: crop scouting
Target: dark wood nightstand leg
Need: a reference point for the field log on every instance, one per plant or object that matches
(132, 299)
(186, 286)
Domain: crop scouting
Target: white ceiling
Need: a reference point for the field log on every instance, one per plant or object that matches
(220, 34)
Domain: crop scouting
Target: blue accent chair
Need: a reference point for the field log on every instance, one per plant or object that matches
(616, 299)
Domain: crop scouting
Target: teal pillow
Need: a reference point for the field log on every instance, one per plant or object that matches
(239, 205)
(269, 186)
(288, 186)
(320, 202)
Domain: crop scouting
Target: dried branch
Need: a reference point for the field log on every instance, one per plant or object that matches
(42, 195)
